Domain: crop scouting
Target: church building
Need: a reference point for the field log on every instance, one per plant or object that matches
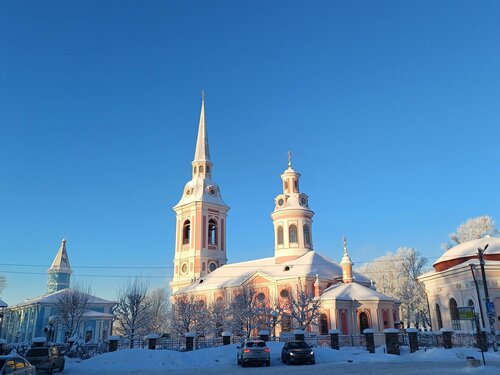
(350, 302)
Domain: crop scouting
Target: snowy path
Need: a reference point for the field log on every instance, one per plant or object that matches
(221, 360)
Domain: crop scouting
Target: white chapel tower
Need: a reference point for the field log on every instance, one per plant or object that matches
(292, 219)
(200, 243)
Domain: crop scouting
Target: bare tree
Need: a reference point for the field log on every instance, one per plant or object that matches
(71, 306)
(304, 309)
(188, 315)
(396, 275)
(247, 311)
(133, 310)
(159, 309)
(217, 316)
(473, 229)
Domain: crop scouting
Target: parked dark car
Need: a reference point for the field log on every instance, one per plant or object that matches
(15, 365)
(252, 352)
(46, 359)
(297, 352)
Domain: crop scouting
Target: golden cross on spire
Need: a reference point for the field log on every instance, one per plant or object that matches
(289, 159)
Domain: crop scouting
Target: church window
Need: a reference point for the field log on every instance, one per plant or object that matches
(307, 236)
(280, 235)
(184, 268)
(201, 168)
(212, 232)
(296, 185)
(194, 171)
(286, 185)
(261, 297)
(292, 233)
(470, 303)
(455, 318)
(284, 293)
(208, 169)
(438, 317)
(186, 236)
(344, 328)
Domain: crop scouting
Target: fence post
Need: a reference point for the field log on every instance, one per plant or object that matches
(370, 339)
(226, 338)
(264, 335)
(447, 334)
(413, 339)
(334, 339)
(152, 338)
(189, 341)
(113, 343)
(299, 335)
(392, 340)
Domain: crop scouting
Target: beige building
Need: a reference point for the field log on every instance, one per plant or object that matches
(456, 281)
(350, 302)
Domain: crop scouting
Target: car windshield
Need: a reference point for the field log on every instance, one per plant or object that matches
(298, 345)
(37, 352)
(258, 344)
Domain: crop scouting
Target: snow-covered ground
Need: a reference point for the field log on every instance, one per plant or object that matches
(222, 360)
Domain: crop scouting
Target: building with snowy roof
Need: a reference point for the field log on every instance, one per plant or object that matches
(457, 281)
(350, 302)
(39, 316)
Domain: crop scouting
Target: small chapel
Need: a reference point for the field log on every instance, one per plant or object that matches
(349, 300)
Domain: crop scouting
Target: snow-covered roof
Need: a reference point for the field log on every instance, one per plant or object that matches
(3, 304)
(308, 265)
(53, 297)
(469, 249)
(90, 314)
(353, 291)
(61, 261)
(201, 189)
(462, 265)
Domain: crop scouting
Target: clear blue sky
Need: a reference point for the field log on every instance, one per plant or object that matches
(391, 109)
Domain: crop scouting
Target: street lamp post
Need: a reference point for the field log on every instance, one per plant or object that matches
(274, 319)
(491, 319)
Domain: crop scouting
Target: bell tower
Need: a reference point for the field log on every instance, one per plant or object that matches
(292, 218)
(200, 243)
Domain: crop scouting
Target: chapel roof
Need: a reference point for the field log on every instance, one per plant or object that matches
(468, 250)
(53, 297)
(353, 291)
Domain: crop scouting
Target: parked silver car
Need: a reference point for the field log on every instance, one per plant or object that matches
(15, 365)
(46, 359)
(253, 352)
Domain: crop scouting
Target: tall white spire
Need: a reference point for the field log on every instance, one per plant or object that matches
(61, 261)
(202, 152)
(60, 271)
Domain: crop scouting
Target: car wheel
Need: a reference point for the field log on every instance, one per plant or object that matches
(268, 363)
(243, 364)
(61, 369)
(313, 362)
(50, 371)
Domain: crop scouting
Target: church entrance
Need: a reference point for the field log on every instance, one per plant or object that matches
(363, 322)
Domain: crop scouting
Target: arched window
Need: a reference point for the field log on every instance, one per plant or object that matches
(194, 170)
(286, 323)
(363, 322)
(307, 236)
(286, 186)
(208, 169)
(323, 324)
(438, 317)
(470, 303)
(186, 232)
(280, 235)
(212, 232)
(296, 185)
(385, 317)
(455, 318)
(343, 323)
(201, 168)
(292, 234)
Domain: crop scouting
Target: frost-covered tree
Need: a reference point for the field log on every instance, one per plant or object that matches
(473, 229)
(188, 315)
(396, 275)
(217, 318)
(304, 309)
(133, 310)
(247, 311)
(71, 305)
(159, 304)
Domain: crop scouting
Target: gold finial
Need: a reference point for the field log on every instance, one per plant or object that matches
(344, 238)
(202, 95)
(289, 159)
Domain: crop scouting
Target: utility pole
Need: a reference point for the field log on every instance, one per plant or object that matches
(491, 319)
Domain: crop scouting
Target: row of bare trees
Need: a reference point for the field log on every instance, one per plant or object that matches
(246, 313)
